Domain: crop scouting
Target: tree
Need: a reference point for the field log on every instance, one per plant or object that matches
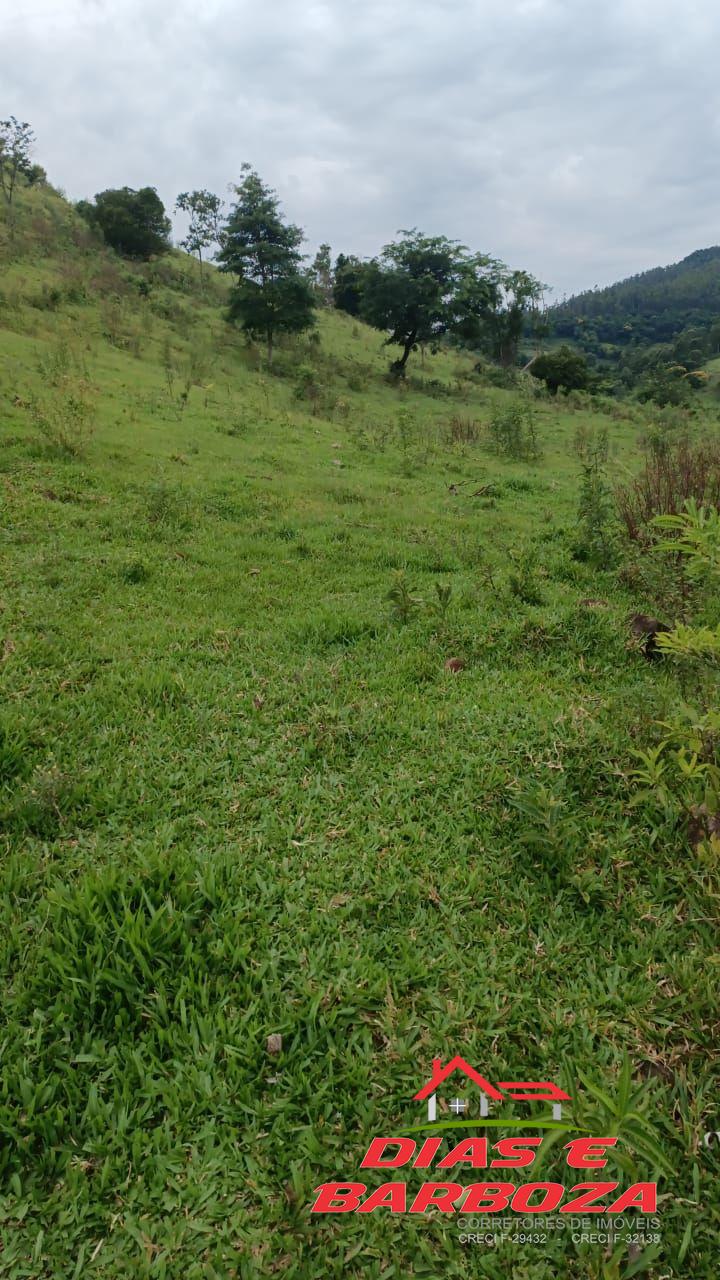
(132, 222)
(347, 284)
(669, 384)
(520, 294)
(321, 274)
(16, 140)
(204, 230)
(538, 323)
(562, 368)
(271, 295)
(35, 175)
(692, 347)
(422, 287)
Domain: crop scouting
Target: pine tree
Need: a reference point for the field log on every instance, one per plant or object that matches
(271, 296)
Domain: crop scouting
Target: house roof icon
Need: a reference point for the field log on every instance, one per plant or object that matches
(441, 1073)
(526, 1091)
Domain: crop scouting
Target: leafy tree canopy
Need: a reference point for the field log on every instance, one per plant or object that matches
(132, 222)
(667, 382)
(519, 297)
(16, 141)
(562, 368)
(421, 287)
(272, 295)
(203, 208)
(347, 283)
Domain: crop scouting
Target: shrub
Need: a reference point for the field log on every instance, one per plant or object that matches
(84, 238)
(513, 432)
(73, 284)
(674, 472)
(112, 320)
(526, 575)
(65, 422)
(426, 386)
(595, 541)
(549, 830)
(57, 365)
(358, 377)
(495, 375)
(48, 299)
(307, 387)
(562, 368)
(136, 571)
(698, 538)
(669, 384)
(163, 271)
(403, 604)
(681, 774)
(167, 507)
(462, 430)
(108, 280)
(578, 400)
(443, 596)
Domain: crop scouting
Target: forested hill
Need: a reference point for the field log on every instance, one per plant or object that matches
(652, 307)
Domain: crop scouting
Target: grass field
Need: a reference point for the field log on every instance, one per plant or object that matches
(243, 796)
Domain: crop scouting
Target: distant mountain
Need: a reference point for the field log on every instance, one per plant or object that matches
(653, 307)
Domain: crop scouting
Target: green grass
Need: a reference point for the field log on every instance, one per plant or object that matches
(239, 798)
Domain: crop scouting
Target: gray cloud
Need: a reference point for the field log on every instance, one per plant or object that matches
(575, 139)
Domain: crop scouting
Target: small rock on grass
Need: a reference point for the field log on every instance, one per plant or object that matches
(274, 1043)
(454, 665)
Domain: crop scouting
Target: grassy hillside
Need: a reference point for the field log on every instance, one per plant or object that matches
(242, 794)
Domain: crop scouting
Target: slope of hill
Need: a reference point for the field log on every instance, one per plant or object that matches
(652, 307)
(265, 855)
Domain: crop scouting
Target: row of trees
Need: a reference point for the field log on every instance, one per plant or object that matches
(653, 307)
(418, 290)
(423, 287)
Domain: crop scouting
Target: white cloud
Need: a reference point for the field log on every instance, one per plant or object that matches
(574, 139)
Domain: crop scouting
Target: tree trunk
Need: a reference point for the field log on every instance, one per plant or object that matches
(398, 366)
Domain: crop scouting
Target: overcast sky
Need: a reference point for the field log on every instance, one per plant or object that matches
(576, 138)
